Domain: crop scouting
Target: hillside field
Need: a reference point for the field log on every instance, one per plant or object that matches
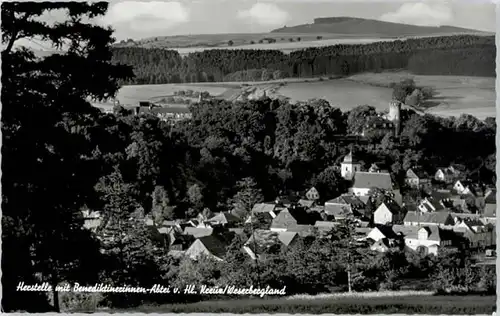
(455, 95)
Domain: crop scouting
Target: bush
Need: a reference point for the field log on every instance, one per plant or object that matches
(81, 302)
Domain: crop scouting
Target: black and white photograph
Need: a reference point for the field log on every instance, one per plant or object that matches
(249, 157)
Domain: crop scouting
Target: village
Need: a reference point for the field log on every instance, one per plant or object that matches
(454, 213)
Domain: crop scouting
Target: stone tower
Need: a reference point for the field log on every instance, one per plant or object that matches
(349, 166)
(395, 115)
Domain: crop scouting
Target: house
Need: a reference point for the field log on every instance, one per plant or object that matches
(365, 181)
(490, 204)
(181, 242)
(388, 212)
(416, 178)
(338, 211)
(447, 175)
(91, 219)
(429, 239)
(210, 246)
(381, 232)
(263, 242)
(293, 218)
(198, 232)
(265, 208)
(383, 245)
(477, 234)
(306, 203)
(430, 205)
(225, 218)
(429, 219)
(312, 194)
(349, 166)
(462, 187)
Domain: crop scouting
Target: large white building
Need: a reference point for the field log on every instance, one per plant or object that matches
(349, 167)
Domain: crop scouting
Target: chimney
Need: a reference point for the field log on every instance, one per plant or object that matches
(137, 110)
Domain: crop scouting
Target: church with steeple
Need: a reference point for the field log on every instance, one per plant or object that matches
(349, 166)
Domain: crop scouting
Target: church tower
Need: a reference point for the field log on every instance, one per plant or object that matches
(349, 166)
(395, 116)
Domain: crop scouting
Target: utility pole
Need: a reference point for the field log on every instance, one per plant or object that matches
(255, 248)
(349, 267)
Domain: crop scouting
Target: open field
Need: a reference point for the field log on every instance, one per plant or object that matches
(455, 94)
(455, 305)
(287, 46)
(221, 40)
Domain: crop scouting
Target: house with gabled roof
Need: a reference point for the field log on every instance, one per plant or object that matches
(381, 232)
(263, 242)
(312, 194)
(225, 218)
(210, 246)
(293, 218)
(198, 232)
(476, 233)
(490, 204)
(306, 203)
(389, 212)
(429, 239)
(343, 206)
(430, 205)
(448, 175)
(365, 181)
(265, 208)
(441, 218)
(349, 166)
(462, 187)
(416, 177)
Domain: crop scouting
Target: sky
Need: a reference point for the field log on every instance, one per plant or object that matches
(143, 19)
(139, 19)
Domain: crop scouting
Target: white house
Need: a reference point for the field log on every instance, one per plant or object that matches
(461, 187)
(429, 239)
(312, 194)
(447, 175)
(416, 177)
(365, 181)
(349, 167)
(430, 205)
(387, 213)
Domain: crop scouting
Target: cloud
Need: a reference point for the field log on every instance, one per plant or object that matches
(421, 13)
(151, 16)
(265, 14)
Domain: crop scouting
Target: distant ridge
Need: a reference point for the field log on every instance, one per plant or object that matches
(369, 27)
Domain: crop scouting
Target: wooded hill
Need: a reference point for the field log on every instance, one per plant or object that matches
(369, 27)
(464, 55)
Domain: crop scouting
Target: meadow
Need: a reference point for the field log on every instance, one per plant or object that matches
(454, 94)
(287, 46)
(410, 304)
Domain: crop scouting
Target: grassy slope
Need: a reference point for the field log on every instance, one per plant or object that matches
(345, 28)
(455, 305)
(373, 27)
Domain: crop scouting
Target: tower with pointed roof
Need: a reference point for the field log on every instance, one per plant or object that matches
(349, 166)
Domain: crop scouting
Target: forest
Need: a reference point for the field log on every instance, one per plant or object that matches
(463, 55)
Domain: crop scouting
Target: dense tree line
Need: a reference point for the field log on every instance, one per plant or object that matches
(451, 55)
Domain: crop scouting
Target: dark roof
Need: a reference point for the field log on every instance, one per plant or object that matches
(491, 197)
(350, 199)
(225, 217)
(416, 173)
(392, 206)
(338, 210)
(265, 239)
(387, 231)
(213, 244)
(431, 217)
(372, 180)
